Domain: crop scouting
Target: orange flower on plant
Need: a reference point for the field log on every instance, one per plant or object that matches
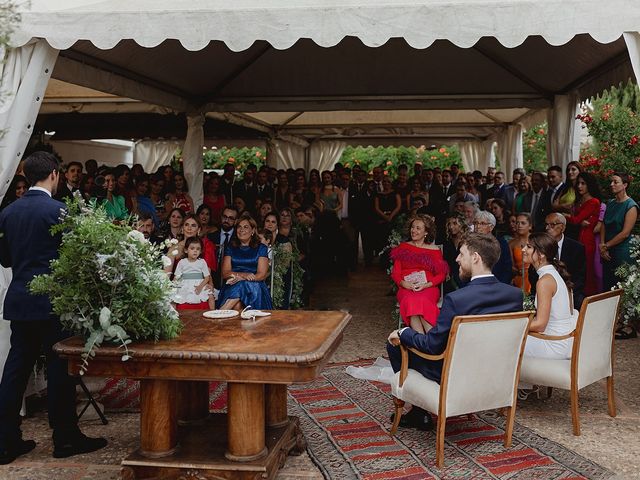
(446, 154)
(541, 131)
(231, 160)
(389, 163)
(442, 150)
(258, 154)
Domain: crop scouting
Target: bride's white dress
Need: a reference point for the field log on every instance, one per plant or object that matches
(562, 320)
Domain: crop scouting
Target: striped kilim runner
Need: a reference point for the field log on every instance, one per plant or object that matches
(346, 424)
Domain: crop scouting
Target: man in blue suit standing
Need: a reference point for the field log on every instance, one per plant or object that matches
(27, 246)
(484, 294)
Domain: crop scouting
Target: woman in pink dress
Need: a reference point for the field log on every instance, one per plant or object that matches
(418, 270)
(586, 212)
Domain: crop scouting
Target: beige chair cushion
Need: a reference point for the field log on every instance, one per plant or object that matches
(594, 361)
(417, 390)
(546, 371)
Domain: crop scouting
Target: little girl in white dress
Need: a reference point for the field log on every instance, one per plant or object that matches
(193, 276)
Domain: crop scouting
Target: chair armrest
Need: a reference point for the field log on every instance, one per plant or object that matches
(426, 356)
(404, 367)
(542, 336)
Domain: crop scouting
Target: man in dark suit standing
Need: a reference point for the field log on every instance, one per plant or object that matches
(484, 294)
(361, 215)
(538, 191)
(27, 246)
(555, 189)
(571, 253)
(71, 181)
(502, 190)
(264, 190)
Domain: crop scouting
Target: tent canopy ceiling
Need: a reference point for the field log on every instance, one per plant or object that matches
(374, 69)
(351, 75)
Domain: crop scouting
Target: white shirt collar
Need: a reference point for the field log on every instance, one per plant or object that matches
(41, 189)
(560, 246)
(484, 275)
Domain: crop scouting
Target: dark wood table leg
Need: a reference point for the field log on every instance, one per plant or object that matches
(276, 405)
(158, 421)
(245, 422)
(193, 401)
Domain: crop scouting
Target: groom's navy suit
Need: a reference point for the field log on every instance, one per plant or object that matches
(26, 245)
(483, 295)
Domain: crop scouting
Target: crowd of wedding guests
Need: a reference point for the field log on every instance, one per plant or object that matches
(325, 216)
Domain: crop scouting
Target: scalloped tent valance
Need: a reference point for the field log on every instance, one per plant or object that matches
(281, 23)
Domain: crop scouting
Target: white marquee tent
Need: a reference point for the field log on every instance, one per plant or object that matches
(313, 74)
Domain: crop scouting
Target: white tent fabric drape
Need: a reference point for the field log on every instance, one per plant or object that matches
(509, 149)
(477, 155)
(563, 139)
(324, 154)
(192, 157)
(285, 154)
(632, 39)
(153, 154)
(421, 22)
(23, 81)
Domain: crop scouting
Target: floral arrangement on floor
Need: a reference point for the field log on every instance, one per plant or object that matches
(282, 260)
(108, 284)
(630, 283)
(396, 237)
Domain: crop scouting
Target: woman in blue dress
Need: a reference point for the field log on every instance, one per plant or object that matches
(244, 268)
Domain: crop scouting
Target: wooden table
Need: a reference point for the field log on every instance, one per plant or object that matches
(178, 436)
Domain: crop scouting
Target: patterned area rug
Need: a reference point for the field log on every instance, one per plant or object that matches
(346, 422)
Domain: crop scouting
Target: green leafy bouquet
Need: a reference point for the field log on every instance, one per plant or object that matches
(630, 284)
(108, 283)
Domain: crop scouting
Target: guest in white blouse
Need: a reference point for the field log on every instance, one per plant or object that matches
(555, 314)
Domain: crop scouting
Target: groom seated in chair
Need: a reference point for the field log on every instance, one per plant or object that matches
(484, 294)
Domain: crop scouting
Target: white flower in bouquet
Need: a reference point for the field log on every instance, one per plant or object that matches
(136, 235)
(166, 261)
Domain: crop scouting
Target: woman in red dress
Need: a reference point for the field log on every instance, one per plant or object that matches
(418, 270)
(586, 211)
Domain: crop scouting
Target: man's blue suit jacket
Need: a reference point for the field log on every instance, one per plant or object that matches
(27, 246)
(481, 296)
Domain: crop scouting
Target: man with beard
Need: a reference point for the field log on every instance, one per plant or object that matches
(71, 182)
(484, 294)
(222, 237)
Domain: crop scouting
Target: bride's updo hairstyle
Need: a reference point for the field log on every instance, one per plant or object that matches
(546, 245)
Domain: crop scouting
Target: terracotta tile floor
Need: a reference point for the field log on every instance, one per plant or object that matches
(613, 443)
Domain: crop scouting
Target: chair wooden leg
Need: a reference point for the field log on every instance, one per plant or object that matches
(611, 397)
(508, 431)
(575, 414)
(442, 423)
(399, 404)
(549, 391)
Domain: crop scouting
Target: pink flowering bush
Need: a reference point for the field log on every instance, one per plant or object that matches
(614, 127)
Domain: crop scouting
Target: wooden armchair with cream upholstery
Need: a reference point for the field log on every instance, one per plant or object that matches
(480, 372)
(591, 357)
